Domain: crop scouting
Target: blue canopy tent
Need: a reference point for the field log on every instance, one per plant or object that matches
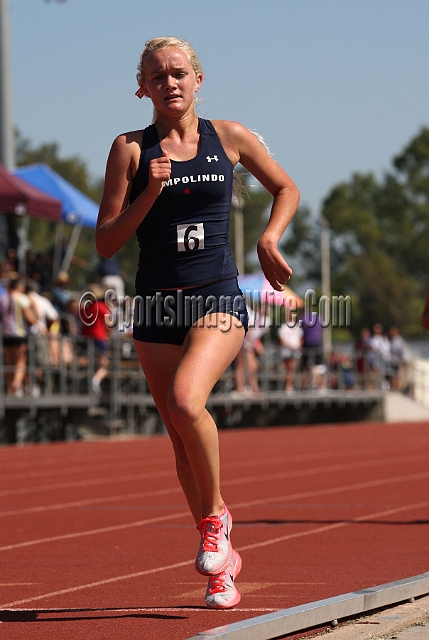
(77, 209)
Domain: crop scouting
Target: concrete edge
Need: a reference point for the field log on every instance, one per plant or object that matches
(379, 625)
(321, 612)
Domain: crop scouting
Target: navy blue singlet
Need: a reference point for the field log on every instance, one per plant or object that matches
(183, 239)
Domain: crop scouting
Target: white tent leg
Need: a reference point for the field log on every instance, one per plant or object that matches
(59, 235)
(23, 244)
(74, 238)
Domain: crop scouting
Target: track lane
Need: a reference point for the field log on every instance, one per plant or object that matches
(67, 522)
(299, 567)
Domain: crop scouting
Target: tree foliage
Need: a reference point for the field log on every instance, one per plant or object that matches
(74, 169)
(379, 240)
(301, 246)
(42, 233)
(255, 202)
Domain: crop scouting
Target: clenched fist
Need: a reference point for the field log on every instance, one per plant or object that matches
(159, 172)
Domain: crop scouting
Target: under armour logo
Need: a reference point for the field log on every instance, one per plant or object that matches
(210, 159)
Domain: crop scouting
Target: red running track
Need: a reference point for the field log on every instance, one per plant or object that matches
(96, 540)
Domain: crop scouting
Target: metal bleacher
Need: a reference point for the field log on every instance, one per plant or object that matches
(59, 401)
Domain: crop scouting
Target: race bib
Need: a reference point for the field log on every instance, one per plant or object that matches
(190, 237)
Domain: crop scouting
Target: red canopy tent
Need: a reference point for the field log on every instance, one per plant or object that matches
(17, 196)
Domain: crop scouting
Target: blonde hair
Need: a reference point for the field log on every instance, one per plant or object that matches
(238, 188)
(157, 44)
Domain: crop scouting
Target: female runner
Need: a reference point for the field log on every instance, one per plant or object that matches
(171, 184)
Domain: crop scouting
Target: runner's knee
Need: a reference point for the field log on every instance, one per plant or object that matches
(184, 409)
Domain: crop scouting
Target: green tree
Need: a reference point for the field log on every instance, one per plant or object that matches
(301, 247)
(42, 233)
(255, 203)
(74, 169)
(381, 235)
(379, 240)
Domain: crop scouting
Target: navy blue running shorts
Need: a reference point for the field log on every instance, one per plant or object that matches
(167, 315)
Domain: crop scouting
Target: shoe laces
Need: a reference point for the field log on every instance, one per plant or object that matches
(217, 583)
(210, 531)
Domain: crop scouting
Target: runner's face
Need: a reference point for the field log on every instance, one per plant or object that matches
(170, 81)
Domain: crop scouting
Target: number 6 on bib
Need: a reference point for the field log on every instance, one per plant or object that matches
(190, 237)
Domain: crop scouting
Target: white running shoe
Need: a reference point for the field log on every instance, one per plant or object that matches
(221, 592)
(215, 550)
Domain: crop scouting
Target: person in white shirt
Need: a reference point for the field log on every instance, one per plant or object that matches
(290, 337)
(380, 355)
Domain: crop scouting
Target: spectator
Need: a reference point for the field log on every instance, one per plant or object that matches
(4, 277)
(362, 349)
(313, 366)
(61, 292)
(40, 270)
(400, 357)
(94, 327)
(46, 315)
(110, 276)
(16, 314)
(63, 334)
(12, 260)
(342, 368)
(290, 336)
(246, 363)
(380, 355)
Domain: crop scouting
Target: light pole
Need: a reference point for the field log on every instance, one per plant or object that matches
(237, 205)
(326, 281)
(7, 145)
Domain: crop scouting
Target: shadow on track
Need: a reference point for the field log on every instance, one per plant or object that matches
(52, 615)
(252, 523)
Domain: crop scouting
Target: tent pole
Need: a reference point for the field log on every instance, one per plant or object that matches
(74, 238)
(23, 244)
(59, 235)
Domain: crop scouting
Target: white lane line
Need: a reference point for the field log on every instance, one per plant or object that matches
(137, 609)
(88, 483)
(181, 514)
(232, 482)
(78, 452)
(115, 463)
(333, 490)
(92, 501)
(59, 461)
(171, 472)
(100, 583)
(66, 470)
(92, 532)
(185, 563)
(231, 465)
